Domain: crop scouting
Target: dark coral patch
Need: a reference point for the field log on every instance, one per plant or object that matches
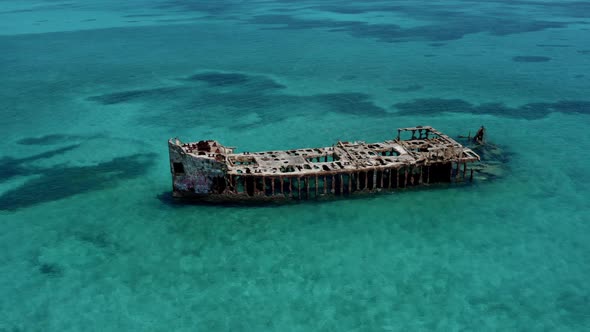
(136, 95)
(347, 9)
(447, 24)
(213, 7)
(185, 19)
(382, 32)
(142, 15)
(62, 182)
(47, 139)
(12, 167)
(285, 21)
(14, 11)
(566, 106)
(347, 77)
(409, 88)
(226, 95)
(530, 58)
(435, 106)
(219, 79)
(576, 9)
(51, 270)
(99, 239)
(268, 107)
(553, 45)
(431, 106)
(349, 103)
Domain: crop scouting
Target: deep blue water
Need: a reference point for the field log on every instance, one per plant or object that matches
(91, 91)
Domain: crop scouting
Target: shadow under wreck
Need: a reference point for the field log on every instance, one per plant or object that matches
(207, 171)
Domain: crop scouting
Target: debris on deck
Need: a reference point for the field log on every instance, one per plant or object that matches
(422, 155)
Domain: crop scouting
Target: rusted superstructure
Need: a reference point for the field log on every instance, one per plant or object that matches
(207, 170)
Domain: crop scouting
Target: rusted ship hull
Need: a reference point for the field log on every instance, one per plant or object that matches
(208, 171)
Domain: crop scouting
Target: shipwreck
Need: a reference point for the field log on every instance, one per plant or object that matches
(208, 171)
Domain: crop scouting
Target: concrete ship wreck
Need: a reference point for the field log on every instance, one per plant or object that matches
(208, 171)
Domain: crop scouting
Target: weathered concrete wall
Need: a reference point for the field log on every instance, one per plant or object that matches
(201, 176)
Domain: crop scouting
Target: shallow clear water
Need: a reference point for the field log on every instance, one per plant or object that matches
(91, 91)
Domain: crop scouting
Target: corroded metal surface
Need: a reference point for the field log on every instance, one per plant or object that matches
(210, 171)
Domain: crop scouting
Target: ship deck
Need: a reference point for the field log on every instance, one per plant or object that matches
(425, 146)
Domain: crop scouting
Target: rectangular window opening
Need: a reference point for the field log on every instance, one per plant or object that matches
(178, 168)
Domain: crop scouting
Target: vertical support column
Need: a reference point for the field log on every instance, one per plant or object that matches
(281, 181)
(406, 177)
(239, 179)
(333, 185)
(298, 187)
(290, 187)
(451, 174)
(349, 183)
(307, 186)
(341, 185)
(325, 184)
(381, 180)
(316, 187)
(272, 185)
(397, 178)
(374, 179)
(366, 174)
(464, 170)
(358, 181)
(420, 178)
(428, 175)
(389, 172)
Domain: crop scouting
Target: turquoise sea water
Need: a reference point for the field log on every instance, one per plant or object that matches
(90, 92)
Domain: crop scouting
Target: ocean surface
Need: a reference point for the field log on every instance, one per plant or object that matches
(90, 92)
